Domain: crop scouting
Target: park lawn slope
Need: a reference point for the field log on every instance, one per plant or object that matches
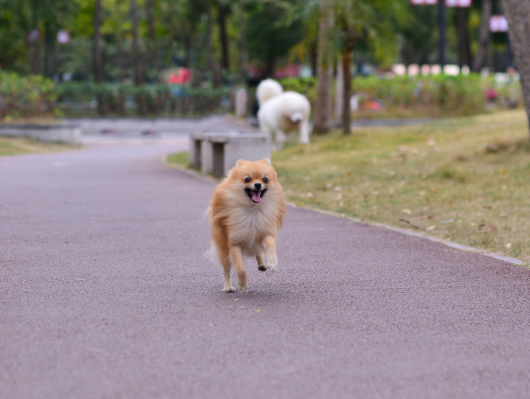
(464, 180)
(16, 146)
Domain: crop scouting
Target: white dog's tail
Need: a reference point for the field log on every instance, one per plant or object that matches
(268, 89)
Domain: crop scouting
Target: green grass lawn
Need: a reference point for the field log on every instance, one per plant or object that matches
(16, 145)
(465, 180)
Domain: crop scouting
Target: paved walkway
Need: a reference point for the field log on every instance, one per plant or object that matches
(105, 293)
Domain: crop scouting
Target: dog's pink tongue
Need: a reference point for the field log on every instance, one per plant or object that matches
(256, 196)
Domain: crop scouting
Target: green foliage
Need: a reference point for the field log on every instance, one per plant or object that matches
(78, 98)
(30, 96)
(268, 39)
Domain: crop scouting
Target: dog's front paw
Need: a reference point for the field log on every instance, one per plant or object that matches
(262, 268)
(243, 289)
(229, 289)
(272, 266)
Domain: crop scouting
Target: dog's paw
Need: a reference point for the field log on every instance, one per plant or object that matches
(262, 268)
(229, 289)
(272, 266)
(243, 289)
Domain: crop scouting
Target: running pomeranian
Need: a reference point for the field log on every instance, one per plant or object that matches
(246, 214)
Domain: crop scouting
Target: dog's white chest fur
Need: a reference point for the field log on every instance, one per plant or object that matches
(251, 224)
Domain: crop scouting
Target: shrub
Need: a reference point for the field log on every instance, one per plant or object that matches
(28, 96)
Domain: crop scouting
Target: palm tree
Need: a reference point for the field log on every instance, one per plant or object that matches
(518, 14)
(370, 21)
(324, 70)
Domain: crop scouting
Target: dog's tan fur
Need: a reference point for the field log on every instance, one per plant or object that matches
(241, 227)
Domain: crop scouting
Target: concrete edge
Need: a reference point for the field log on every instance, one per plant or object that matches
(448, 243)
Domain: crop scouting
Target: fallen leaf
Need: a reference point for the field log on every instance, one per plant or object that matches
(492, 148)
(422, 192)
(430, 228)
(504, 171)
(310, 195)
(487, 228)
(503, 215)
(508, 245)
(434, 190)
(406, 211)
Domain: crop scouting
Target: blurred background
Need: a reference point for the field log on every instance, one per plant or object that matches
(188, 58)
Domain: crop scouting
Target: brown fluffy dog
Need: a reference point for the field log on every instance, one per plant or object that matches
(246, 214)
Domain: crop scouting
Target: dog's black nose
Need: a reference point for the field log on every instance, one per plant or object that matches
(257, 186)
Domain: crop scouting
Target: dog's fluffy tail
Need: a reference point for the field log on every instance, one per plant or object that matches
(268, 89)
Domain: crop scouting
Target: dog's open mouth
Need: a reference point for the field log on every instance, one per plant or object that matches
(255, 195)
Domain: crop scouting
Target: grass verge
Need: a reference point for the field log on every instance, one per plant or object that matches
(179, 159)
(464, 180)
(16, 146)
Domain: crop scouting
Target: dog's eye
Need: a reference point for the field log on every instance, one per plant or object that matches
(265, 180)
(248, 180)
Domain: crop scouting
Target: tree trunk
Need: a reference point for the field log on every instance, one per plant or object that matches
(225, 61)
(485, 36)
(136, 58)
(96, 44)
(48, 45)
(135, 45)
(243, 63)
(97, 60)
(346, 70)
(152, 37)
(464, 48)
(313, 58)
(210, 67)
(518, 14)
(35, 61)
(324, 65)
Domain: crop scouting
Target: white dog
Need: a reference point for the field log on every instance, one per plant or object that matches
(281, 113)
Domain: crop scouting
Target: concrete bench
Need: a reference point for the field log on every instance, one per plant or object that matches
(70, 134)
(217, 152)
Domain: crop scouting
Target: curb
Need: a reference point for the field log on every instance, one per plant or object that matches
(448, 243)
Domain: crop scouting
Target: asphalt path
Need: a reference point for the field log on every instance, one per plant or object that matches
(106, 293)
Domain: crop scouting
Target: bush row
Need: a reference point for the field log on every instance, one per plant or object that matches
(436, 94)
(126, 99)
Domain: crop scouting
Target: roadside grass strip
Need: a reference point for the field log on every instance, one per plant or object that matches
(17, 146)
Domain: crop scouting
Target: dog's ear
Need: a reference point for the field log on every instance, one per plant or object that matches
(266, 161)
(241, 162)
